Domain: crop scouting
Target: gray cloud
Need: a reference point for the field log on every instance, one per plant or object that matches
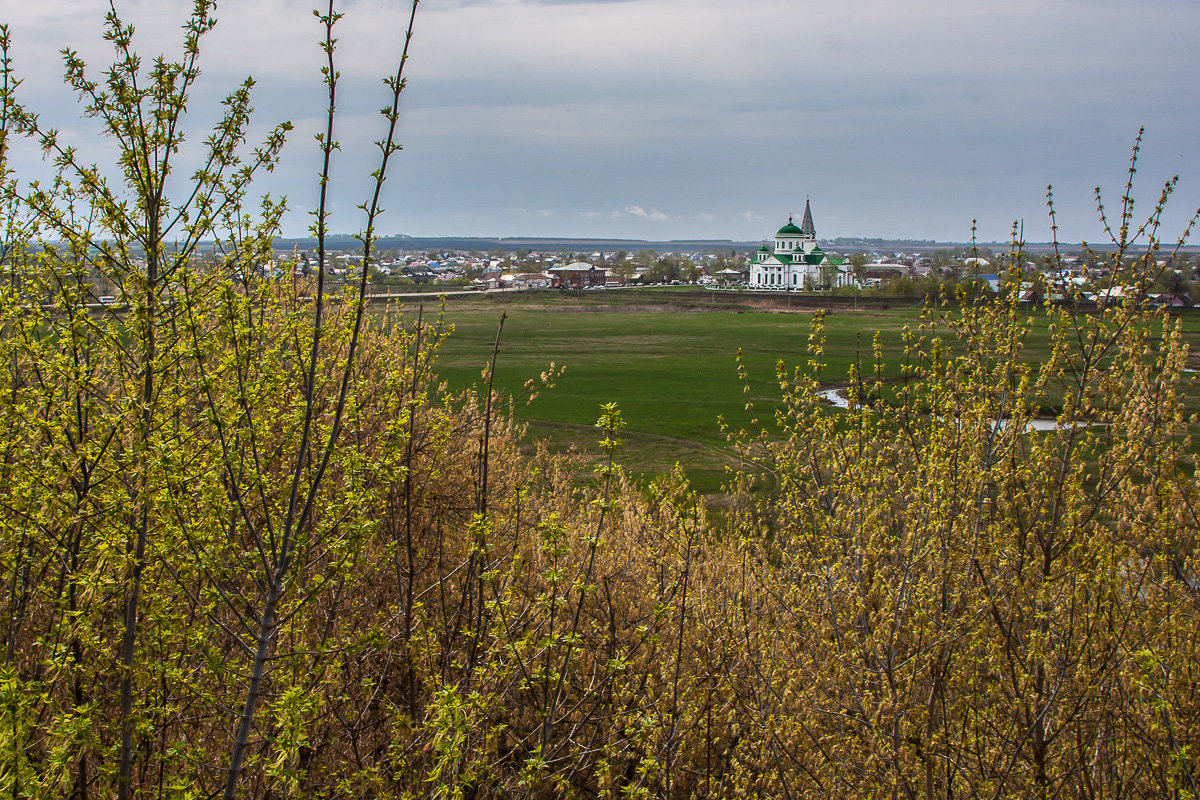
(898, 118)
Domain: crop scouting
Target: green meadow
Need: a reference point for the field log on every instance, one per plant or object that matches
(672, 369)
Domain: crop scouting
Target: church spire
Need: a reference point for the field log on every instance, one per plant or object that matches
(807, 224)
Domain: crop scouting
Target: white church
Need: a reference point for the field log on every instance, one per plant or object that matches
(797, 262)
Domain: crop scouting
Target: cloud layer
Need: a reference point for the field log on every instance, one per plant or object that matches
(702, 118)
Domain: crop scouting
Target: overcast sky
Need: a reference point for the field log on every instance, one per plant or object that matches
(665, 119)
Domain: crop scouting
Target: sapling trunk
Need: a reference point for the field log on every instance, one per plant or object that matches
(303, 494)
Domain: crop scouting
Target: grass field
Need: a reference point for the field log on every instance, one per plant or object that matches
(670, 366)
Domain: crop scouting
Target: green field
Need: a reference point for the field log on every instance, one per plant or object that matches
(671, 368)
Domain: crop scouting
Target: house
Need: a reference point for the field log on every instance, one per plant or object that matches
(882, 272)
(729, 277)
(1171, 300)
(796, 261)
(527, 280)
(578, 275)
(991, 279)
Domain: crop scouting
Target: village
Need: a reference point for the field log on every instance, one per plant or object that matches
(793, 260)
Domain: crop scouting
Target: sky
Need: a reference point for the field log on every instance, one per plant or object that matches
(689, 119)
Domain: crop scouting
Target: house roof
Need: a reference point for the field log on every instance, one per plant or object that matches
(577, 266)
(815, 258)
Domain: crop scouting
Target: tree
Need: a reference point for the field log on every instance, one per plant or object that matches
(1173, 281)
(144, 415)
(624, 269)
(646, 258)
(962, 602)
(827, 275)
(858, 266)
